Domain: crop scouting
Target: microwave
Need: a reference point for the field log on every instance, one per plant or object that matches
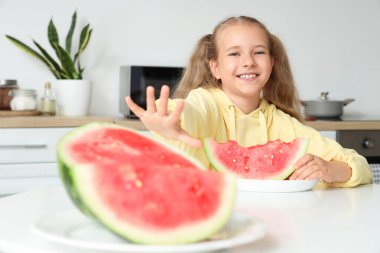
(135, 79)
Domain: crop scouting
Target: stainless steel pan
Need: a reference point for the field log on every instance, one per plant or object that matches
(324, 107)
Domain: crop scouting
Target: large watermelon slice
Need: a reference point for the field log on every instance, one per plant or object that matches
(141, 189)
(273, 160)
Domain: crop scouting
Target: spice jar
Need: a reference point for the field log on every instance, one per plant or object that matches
(23, 100)
(6, 85)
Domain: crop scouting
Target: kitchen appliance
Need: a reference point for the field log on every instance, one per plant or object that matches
(324, 108)
(366, 143)
(135, 79)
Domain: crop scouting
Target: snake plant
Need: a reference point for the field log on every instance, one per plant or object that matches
(68, 64)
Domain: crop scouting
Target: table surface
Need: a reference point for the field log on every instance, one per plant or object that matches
(319, 220)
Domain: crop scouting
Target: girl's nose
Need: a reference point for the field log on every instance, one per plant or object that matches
(249, 61)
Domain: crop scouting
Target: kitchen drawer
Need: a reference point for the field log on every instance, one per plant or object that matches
(19, 170)
(29, 145)
(10, 186)
(366, 143)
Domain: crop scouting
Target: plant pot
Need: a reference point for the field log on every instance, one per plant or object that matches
(73, 97)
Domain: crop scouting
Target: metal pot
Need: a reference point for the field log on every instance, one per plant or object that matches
(325, 108)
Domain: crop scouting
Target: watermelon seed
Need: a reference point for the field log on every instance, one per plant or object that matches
(234, 160)
(246, 169)
(138, 183)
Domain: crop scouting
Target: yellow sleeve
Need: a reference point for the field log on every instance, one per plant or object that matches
(329, 150)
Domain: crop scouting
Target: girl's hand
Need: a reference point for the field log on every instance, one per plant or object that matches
(158, 119)
(313, 167)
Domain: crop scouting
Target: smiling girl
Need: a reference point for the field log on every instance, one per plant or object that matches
(238, 85)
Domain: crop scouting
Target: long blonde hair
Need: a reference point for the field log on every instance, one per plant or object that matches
(280, 89)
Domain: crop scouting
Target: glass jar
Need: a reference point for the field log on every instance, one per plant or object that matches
(23, 100)
(6, 85)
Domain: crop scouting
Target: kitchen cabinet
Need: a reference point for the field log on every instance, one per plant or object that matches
(28, 158)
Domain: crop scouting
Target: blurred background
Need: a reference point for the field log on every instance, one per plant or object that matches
(332, 45)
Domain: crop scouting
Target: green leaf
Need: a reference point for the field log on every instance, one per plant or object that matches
(84, 40)
(67, 63)
(64, 75)
(32, 52)
(69, 37)
(48, 57)
(52, 34)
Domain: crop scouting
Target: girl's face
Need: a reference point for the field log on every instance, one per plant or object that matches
(243, 61)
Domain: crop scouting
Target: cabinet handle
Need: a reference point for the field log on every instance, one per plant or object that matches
(368, 144)
(24, 146)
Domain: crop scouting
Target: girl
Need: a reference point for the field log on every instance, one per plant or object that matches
(238, 86)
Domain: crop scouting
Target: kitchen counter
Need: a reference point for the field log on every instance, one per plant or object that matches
(39, 121)
(326, 125)
(320, 220)
(56, 121)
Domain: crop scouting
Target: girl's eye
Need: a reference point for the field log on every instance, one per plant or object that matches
(260, 52)
(233, 54)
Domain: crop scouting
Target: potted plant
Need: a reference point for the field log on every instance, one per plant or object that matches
(66, 68)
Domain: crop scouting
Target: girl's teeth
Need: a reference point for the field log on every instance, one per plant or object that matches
(247, 76)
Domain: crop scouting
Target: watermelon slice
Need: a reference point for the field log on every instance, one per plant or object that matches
(141, 189)
(273, 160)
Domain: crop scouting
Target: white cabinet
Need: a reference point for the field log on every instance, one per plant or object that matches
(28, 158)
(328, 134)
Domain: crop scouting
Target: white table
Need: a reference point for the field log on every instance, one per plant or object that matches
(326, 220)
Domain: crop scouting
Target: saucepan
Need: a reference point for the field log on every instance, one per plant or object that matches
(324, 108)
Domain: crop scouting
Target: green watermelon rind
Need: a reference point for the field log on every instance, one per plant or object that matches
(77, 180)
(208, 144)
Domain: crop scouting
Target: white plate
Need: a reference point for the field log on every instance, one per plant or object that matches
(276, 185)
(72, 228)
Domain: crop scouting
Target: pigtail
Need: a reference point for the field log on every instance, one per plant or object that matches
(198, 73)
(280, 89)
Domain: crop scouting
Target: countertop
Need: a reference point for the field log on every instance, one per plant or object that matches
(40, 121)
(320, 220)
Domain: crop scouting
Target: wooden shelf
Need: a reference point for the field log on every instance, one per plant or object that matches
(55, 121)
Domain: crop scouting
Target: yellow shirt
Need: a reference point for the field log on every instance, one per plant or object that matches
(210, 113)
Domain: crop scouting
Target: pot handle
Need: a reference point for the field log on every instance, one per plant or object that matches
(348, 100)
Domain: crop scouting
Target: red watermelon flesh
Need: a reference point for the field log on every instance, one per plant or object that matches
(273, 160)
(141, 189)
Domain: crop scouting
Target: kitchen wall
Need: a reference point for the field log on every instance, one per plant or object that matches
(333, 45)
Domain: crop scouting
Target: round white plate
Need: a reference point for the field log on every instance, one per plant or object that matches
(72, 228)
(276, 185)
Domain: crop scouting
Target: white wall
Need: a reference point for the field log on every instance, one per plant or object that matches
(333, 45)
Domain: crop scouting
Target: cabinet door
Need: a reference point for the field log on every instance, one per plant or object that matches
(29, 145)
(329, 134)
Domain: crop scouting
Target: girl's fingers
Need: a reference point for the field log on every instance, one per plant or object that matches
(176, 113)
(136, 109)
(164, 97)
(150, 100)
(308, 172)
(303, 160)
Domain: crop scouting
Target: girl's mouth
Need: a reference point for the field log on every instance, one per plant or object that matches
(247, 76)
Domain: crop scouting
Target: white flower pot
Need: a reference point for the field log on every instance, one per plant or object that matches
(73, 97)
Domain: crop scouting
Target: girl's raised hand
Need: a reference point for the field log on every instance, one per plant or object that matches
(159, 119)
(313, 167)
